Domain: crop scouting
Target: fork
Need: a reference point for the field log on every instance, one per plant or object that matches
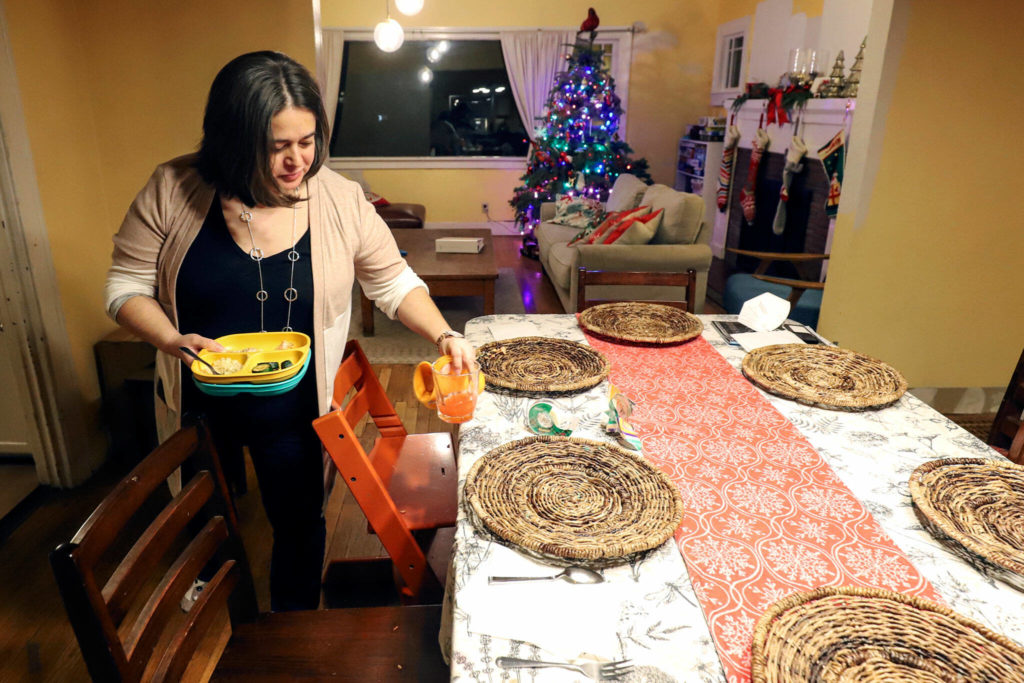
(597, 671)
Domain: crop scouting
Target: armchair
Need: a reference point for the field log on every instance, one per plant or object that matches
(804, 295)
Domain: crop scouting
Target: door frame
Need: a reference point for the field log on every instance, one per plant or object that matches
(31, 280)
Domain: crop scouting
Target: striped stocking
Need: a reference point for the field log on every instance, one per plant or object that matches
(732, 137)
(757, 150)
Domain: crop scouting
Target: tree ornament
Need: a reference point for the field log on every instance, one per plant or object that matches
(836, 79)
(850, 89)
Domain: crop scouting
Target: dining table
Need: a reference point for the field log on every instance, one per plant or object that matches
(778, 497)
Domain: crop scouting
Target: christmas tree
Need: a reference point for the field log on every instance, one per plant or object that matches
(577, 150)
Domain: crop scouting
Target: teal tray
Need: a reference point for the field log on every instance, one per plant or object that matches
(269, 389)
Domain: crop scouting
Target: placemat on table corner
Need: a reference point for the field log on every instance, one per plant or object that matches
(572, 501)
(975, 506)
(641, 323)
(824, 376)
(541, 365)
(869, 634)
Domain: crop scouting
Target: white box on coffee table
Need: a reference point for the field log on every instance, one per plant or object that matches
(459, 245)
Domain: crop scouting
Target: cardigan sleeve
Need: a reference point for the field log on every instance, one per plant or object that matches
(137, 245)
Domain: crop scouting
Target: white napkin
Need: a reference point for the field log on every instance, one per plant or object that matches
(755, 340)
(503, 331)
(563, 618)
(764, 312)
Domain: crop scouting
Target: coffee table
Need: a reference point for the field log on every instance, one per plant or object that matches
(445, 274)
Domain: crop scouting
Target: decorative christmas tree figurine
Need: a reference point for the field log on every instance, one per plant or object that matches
(850, 90)
(836, 79)
(577, 151)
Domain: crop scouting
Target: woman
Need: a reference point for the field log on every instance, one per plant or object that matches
(253, 233)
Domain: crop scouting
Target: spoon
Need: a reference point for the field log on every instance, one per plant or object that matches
(196, 356)
(570, 574)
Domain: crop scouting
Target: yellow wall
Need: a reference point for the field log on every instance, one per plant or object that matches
(110, 88)
(930, 279)
(669, 87)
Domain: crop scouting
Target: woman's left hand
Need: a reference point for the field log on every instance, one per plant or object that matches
(461, 351)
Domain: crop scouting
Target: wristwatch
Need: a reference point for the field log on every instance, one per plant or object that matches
(444, 335)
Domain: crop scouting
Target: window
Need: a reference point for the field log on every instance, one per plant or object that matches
(730, 65)
(442, 100)
(431, 98)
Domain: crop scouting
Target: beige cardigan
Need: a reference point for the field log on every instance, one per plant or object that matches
(347, 239)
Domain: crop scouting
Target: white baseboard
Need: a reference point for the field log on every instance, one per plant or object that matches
(496, 227)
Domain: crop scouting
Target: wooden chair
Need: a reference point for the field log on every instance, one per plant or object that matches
(803, 294)
(588, 278)
(405, 485)
(1007, 430)
(122, 585)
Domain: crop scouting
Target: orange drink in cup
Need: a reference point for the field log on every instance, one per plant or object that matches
(453, 395)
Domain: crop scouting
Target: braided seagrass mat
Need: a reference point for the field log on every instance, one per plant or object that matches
(641, 323)
(976, 508)
(572, 501)
(541, 365)
(866, 634)
(824, 376)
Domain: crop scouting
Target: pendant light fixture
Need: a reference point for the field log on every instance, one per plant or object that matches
(409, 7)
(388, 34)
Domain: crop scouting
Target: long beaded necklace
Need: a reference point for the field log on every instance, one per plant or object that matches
(256, 254)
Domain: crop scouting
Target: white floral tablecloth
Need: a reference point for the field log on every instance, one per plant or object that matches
(647, 611)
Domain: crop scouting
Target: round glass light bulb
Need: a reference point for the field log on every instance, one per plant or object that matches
(426, 75)
(388, 35)
(433, 54)
(409, 7)
(443, 46)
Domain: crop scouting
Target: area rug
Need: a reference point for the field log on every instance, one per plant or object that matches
(392, 342)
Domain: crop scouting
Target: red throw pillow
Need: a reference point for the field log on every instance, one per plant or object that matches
(376, 199)
(603, 230)
(642, 226)
(582, 235)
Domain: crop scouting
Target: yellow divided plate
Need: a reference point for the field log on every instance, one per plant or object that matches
(250, 349)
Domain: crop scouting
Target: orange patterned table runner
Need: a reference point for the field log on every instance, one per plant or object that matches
(765, 515)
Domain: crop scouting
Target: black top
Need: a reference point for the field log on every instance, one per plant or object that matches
(216, 296)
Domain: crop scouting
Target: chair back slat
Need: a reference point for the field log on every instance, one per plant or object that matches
(128, 579)
(110, 517)
(164, 601)
(588, 278)
(212, 601)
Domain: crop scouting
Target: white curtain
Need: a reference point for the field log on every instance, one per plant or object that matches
(332, 50)
(532, 58)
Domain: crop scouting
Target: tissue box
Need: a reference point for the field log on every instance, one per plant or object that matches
(459, 245)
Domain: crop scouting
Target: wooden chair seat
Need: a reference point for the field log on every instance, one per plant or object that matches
(360, 644)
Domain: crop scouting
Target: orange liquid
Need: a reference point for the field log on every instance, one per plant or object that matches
(457, 408)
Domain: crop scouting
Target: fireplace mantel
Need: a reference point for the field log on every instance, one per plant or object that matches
(822, 119)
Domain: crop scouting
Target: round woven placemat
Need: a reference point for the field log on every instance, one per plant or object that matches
(641, 323)
(824, 376)
(976, 507)
(541, 365)
(565, 498)
(865, 634)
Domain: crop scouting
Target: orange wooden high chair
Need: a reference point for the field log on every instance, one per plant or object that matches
(405, 485)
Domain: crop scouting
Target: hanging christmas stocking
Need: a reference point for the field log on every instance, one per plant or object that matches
(794, 157)
(757, 150)
(833, 158)
(732, 138)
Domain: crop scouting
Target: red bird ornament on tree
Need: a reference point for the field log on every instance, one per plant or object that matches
(591, 22)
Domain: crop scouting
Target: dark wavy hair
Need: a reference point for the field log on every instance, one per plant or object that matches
(234, 155)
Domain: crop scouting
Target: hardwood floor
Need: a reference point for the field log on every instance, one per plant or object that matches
(36, 641)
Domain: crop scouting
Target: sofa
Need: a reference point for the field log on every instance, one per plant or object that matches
(680, 243)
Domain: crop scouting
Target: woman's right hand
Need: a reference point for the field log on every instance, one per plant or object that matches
(194, 342)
